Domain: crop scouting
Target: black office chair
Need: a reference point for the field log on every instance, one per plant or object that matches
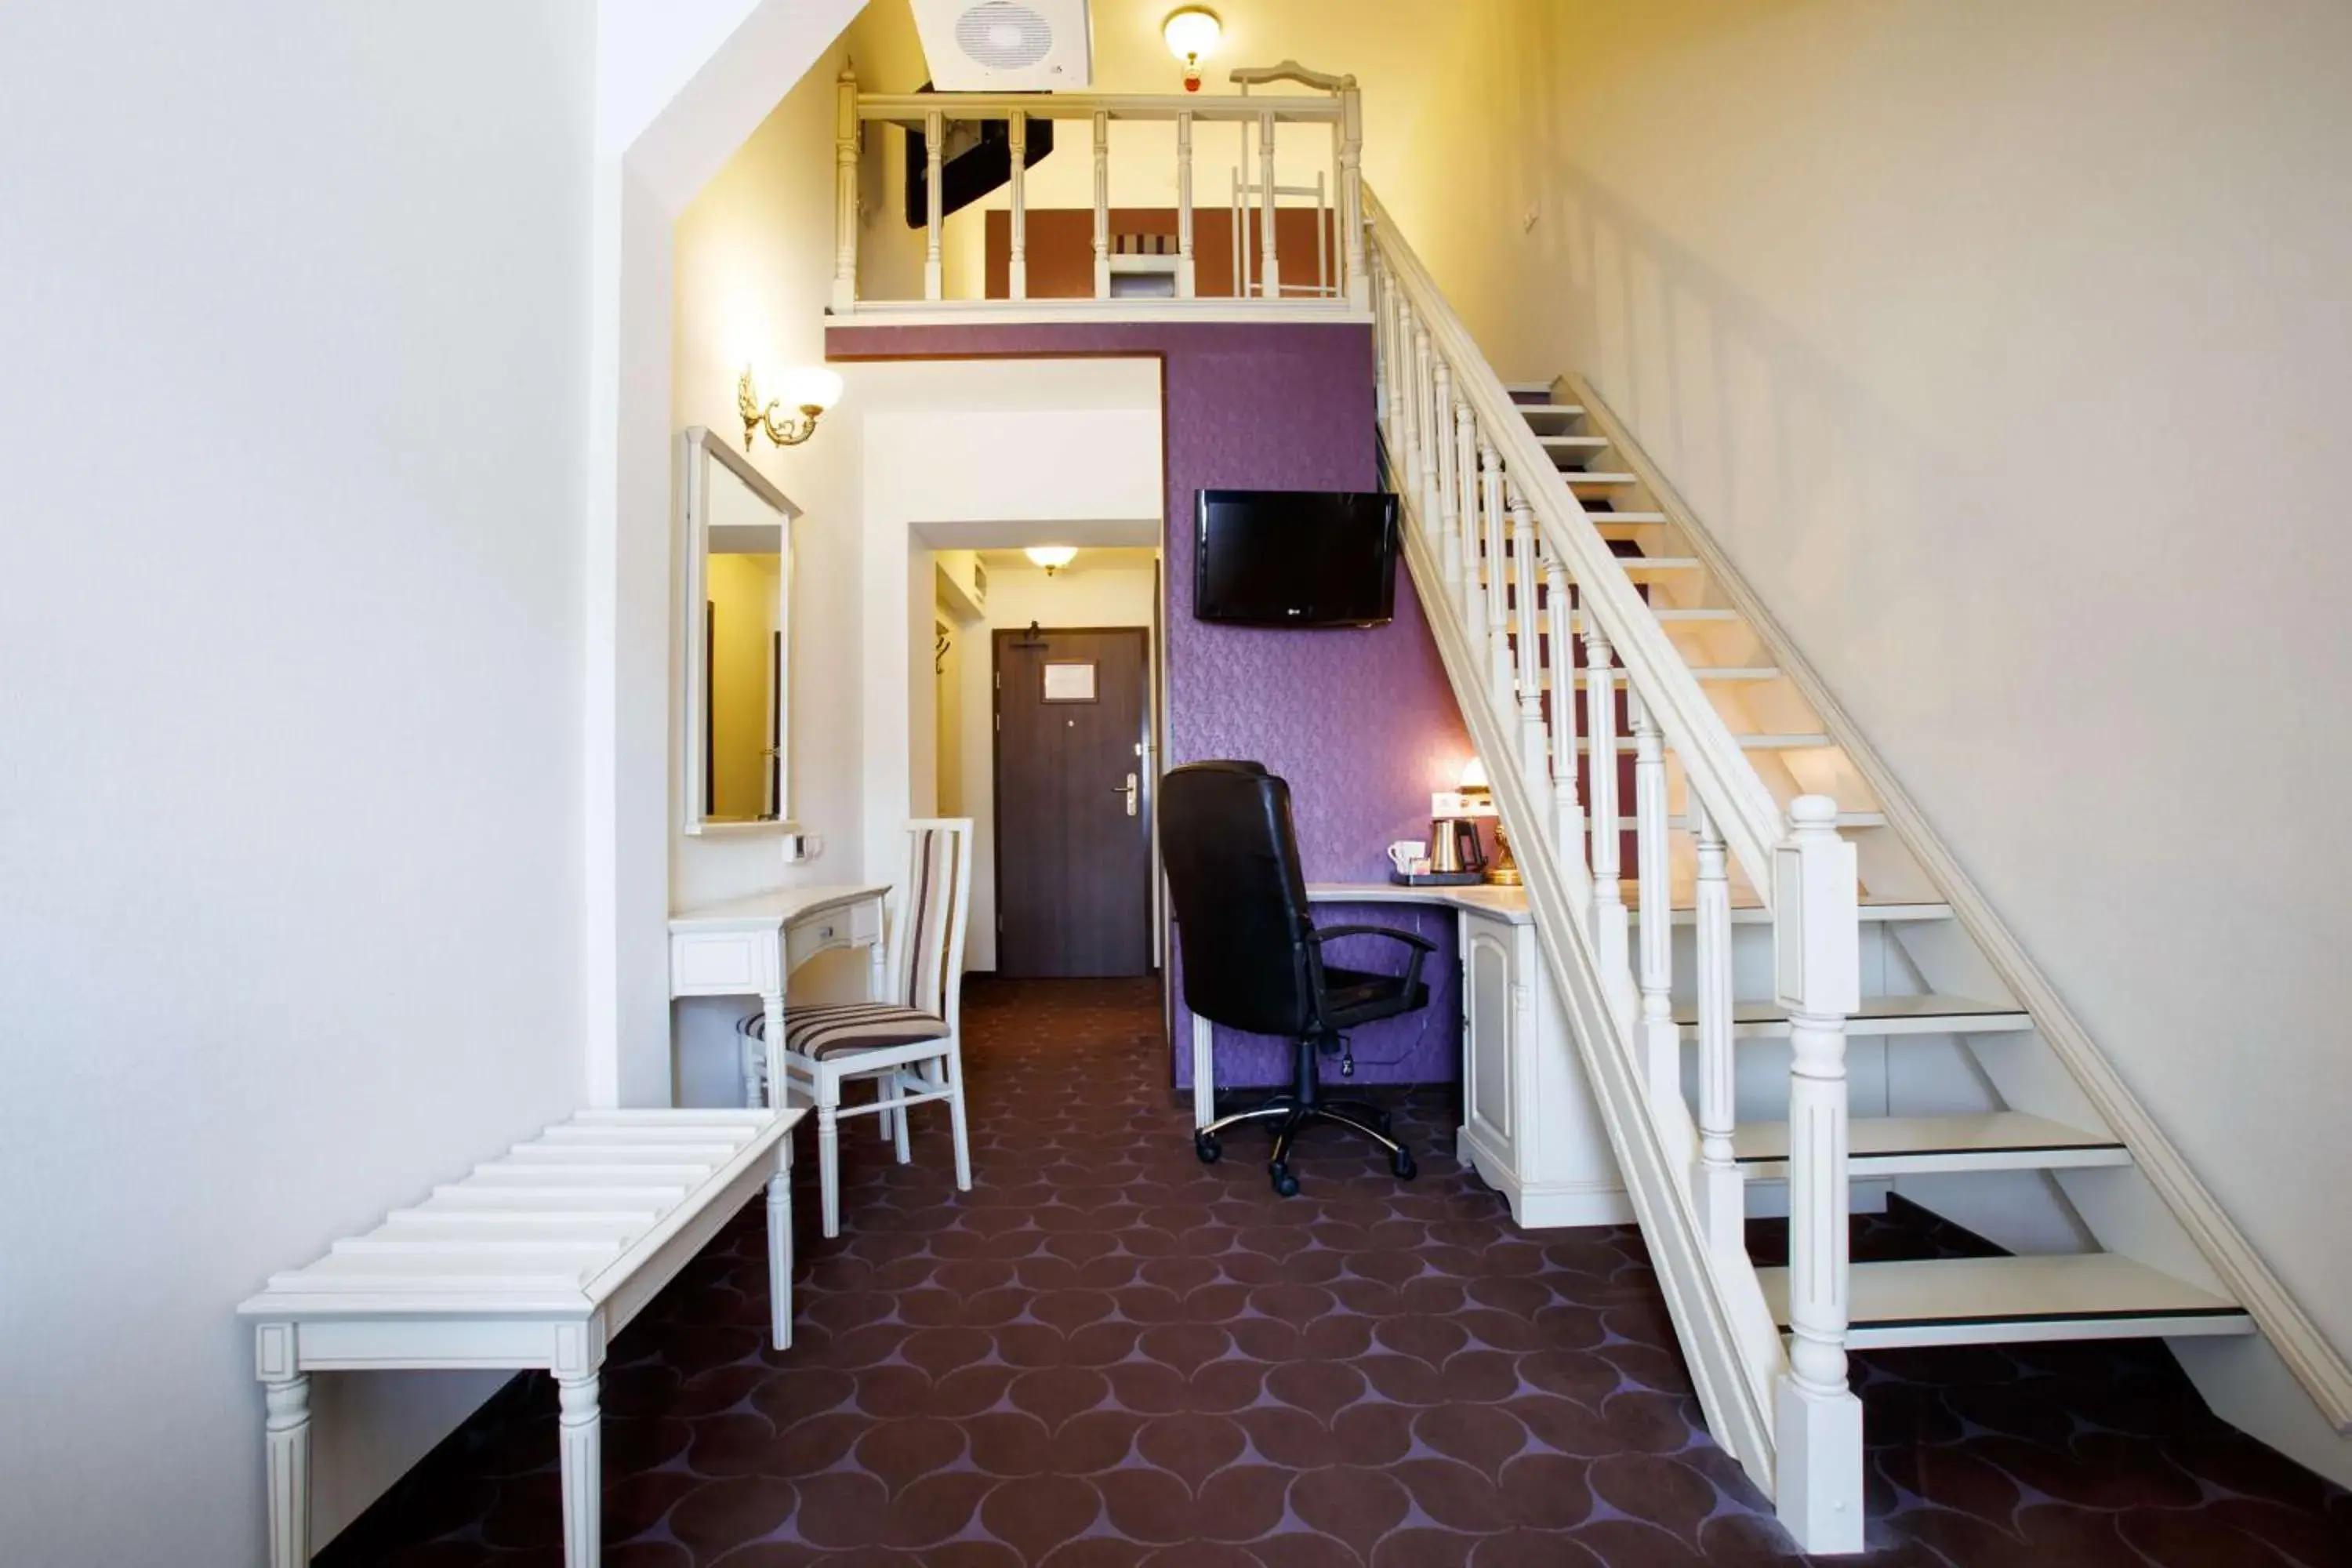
(1254, 958)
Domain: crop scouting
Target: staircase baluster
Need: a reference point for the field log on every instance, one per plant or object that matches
(935, 136)
(1661, 1041)
(1568, 821)
(1409, 409)
(1102, 204)
(1185, 280)
(1721, 1196)
(1449, 500)
(1609, 925)
(1526, 588)
(1817, 1418)
(1270, 263)
(1018, 268)
(1479, 545)
(1465, 579)
(1425, 439)
(844, 188)
(1499, 491)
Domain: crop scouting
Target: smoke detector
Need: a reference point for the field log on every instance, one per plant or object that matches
(1006, 46)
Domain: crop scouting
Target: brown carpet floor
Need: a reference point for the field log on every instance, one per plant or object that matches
(1109, 1355)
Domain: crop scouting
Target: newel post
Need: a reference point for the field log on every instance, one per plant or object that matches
(1351, 190)
(844, 213)
(1817, 977)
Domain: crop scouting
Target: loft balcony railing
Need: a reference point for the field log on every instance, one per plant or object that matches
(1265, 178)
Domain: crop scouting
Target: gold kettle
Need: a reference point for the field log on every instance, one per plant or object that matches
(1453, 846)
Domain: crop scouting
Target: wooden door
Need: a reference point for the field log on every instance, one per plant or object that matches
(1073, 803)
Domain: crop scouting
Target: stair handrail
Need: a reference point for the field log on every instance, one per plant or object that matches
(1741, 804)
(1497, 529)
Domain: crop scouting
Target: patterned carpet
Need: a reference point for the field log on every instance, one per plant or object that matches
(1107, 1355)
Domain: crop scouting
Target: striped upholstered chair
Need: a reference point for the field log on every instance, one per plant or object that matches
(906, 1043)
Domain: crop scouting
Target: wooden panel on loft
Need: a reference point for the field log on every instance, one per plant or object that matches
(1062, 249)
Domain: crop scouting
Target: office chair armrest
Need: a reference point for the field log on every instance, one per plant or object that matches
(1325, 933)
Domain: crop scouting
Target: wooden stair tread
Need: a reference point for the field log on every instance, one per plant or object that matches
(1926, 1014)
(1994, 1300)
(1898, 1145)
(1750, 912)
(1747, 743)
(1699, 671)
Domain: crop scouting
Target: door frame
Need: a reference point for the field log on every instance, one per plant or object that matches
(1147, 784)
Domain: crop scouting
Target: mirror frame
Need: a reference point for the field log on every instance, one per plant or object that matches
(697, 446)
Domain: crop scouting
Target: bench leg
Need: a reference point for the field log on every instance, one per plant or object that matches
(582, 1450)
(287, 1434)
(780, 1246)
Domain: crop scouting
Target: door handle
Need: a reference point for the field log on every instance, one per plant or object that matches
(1129, 789)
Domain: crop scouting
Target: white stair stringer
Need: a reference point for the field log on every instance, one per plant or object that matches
(1728, 1336)
(2186, 1231)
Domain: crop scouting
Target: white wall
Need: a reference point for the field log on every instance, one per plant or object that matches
(2006, 353)
(1116, 587)
(291, 370)
(978, 452)
(752, 272)
(668, 119)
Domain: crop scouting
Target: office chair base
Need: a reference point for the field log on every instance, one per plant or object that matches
(1290, 1115)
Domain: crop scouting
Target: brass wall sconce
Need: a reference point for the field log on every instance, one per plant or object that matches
(811, 390)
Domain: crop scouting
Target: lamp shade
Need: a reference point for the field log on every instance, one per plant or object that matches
(1193, 34)
(1052, 557)
(808, 386)
(1474, 775)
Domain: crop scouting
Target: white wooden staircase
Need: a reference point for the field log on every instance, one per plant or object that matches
(1783, 991)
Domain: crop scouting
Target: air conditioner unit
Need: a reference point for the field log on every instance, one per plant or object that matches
(1007, 45)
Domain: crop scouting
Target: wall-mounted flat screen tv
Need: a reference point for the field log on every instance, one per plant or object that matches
(1295, 558)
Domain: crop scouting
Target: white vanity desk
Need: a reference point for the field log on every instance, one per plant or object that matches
(1530, 1125)
(750, 947)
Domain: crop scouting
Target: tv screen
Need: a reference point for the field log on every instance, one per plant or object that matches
(1295, 558)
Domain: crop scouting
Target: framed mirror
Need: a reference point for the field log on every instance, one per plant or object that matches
(735, 615)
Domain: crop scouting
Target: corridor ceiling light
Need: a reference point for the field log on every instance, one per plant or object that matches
(1052, 557)
(1193, 34)
(811, 389)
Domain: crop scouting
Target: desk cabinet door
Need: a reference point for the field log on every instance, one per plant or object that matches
(1490, 1024)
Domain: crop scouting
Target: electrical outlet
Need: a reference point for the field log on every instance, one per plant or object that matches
(801, 847)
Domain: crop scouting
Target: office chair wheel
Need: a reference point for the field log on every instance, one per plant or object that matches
(1206, 1146)
(1285, 1185)
(1401, 1166)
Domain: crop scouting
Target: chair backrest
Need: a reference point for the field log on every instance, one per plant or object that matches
(1242, 917)
(934, 905)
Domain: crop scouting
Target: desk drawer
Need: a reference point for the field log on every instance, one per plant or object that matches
(720, 964)
(858, 925)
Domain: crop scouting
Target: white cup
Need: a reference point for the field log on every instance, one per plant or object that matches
(1406, 854)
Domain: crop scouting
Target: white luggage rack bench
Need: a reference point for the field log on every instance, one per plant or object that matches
(535, 1261)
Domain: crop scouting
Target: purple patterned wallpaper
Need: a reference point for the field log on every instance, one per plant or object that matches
(1362, 724)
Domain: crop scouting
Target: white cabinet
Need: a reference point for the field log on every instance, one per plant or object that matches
(1530, 1126)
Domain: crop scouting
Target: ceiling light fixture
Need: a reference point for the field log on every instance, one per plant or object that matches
(1193, 34)
(1052, 557)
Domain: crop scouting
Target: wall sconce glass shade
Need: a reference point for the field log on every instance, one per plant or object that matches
(1193, 34)
(1052, 557)
(809, 389)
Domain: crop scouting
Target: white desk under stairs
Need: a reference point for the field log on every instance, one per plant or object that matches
(536, 1259)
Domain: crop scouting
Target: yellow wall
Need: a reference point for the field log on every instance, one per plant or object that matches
(742, 597)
